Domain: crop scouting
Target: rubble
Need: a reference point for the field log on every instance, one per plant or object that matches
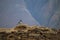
(25, 32)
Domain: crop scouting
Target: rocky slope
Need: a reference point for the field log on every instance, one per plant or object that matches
(25, 32)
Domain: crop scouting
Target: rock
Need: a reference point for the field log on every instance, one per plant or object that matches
(25, 32)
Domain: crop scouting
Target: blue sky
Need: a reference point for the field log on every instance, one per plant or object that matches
(12, 11)
(46, 12)
(31, 12)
